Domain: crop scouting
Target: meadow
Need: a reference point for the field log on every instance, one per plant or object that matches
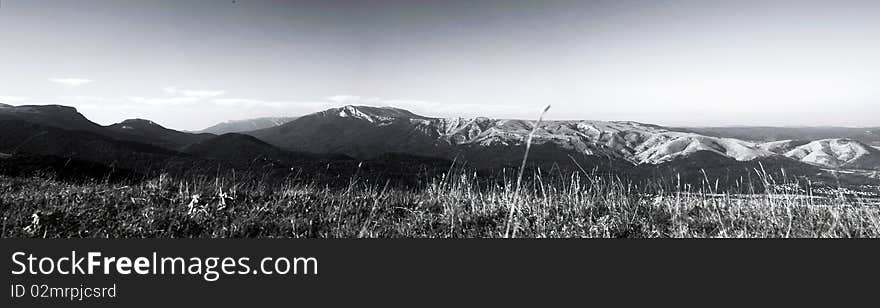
(456, 204)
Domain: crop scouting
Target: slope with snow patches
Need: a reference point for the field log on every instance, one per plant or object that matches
(830, 153)
(635, 142)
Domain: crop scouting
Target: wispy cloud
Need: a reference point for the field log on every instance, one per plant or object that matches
(180, 96)
(13, 99)
(71, 82)
(193, 93)
(85, 98)
(258, 103)
(164, 100)
(246, 102)
(345, 99)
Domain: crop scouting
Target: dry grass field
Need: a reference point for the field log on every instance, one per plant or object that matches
(453, 205)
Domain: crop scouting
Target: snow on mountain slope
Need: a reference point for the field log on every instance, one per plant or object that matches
(684, 145)
(364, 131)
(635, 142)
(783, 146)
(837, 153)
(374, 114)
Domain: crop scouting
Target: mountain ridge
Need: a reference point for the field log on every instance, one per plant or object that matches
(868, 135)
(147, 131)
(833, 153)
(238, 126)
(366, 132)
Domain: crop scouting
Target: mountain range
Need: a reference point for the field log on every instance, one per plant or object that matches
(868, 135)
(362, 133)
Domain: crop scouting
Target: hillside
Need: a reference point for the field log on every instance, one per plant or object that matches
(68, 118)
(834, 153)
(146, 131)
(19, 137)
(246, 125)
(63, 117)
(767, 134)
(242, 150)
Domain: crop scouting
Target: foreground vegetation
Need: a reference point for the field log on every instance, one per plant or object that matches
(454, 205)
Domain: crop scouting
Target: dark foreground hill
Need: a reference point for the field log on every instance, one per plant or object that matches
(244, 150)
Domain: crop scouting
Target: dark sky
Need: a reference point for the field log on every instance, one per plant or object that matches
(189, 64)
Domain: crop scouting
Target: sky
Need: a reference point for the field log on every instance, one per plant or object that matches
(191, 64)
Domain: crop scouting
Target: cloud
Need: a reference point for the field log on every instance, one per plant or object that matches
(258, 103)
(85, 98)
(194, 93)
(246, 102)
(13, 99)
(164, 100)
(71, 82)
(181, 96)
(345, 99)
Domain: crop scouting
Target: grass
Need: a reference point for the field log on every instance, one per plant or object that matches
(454, 205)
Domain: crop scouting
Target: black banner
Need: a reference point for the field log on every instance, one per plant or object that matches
(418, 272)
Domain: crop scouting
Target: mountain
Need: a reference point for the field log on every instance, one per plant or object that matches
(50, 115)
(68, 118)
(357, 132)
(829, 153)
(28, 148)
(146, 131)
(708, 169)
(43, 135)
(25, 138)
(365, 132)
(767, 134)
(61, 141)
(246, 125)
(61, 131)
